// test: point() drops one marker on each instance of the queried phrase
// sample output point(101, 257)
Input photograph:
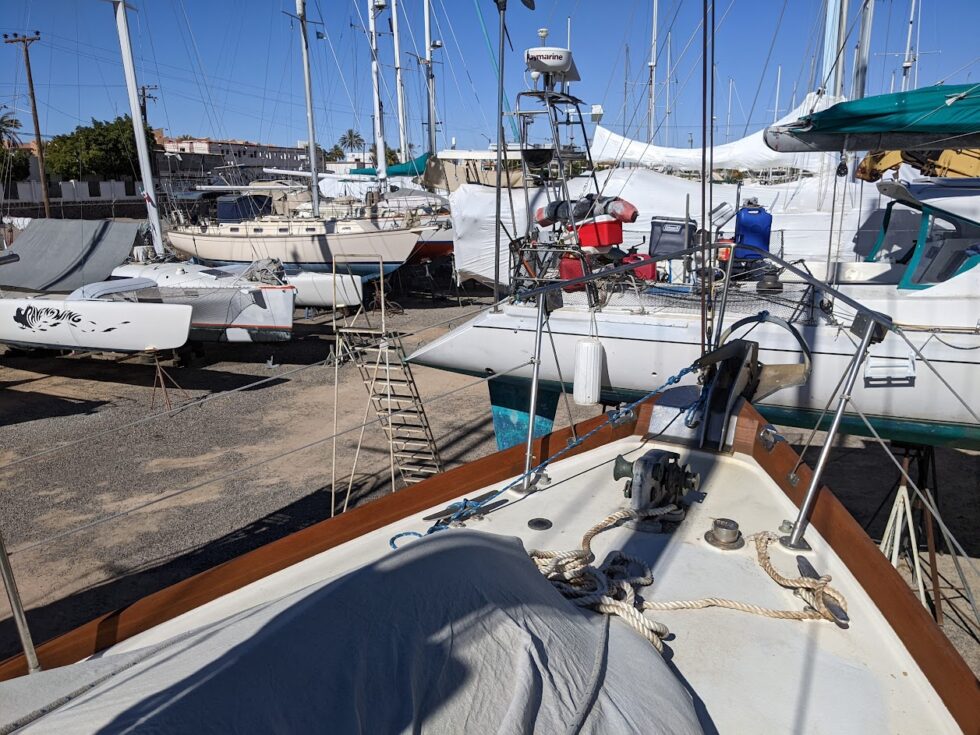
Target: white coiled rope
point(612, 587)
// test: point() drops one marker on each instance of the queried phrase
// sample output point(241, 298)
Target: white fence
point(70, 191)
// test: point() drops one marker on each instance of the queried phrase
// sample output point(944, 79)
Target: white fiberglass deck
point(745, 673)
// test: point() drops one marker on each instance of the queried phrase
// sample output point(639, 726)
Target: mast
point(310, 129)
point(380, 165)
point(779, 79)
point(139, 130)
point(626, 93)
point(652, 106)
point(669, 76)
point(839, 51)
point(430, 78)
point(909, 59)
point(399, 86)
point(728, 119)
point(829, 72)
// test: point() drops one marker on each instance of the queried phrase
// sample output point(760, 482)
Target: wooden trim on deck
point(941, 663)
point(166, 604)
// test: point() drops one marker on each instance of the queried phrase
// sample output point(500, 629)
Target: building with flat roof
point(244, 153)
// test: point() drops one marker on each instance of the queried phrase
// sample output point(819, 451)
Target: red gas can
point(600, 232)
point(570, 266)
point(645, 272)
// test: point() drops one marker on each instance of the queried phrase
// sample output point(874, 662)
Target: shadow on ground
point(55, 618)
point(128, 373)
point(17, 407)
point(869, 496)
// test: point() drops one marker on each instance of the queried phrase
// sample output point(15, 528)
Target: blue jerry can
point(753, 226)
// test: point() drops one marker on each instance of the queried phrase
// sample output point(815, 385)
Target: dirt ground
point(79, 443)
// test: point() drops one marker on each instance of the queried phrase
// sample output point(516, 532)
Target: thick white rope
point(612, 587)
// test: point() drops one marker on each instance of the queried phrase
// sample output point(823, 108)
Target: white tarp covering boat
point(748, 153)
point(801, 214)
point(383, 649)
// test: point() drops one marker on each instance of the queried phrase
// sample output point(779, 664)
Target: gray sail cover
point(65, 254)
point(454, 633)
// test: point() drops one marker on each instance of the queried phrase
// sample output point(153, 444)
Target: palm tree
point(9, 125)
point(351, 141)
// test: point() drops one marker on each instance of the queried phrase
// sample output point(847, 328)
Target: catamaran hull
point(358, 253)
point(98, 326)
point(225, 308)
point(904, 399)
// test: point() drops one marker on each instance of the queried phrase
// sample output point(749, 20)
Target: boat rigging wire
point(927, 500)
point(765, 67)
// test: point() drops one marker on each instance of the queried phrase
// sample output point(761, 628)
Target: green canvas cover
point(943, 110)
point(930, 118)
point(415, 167)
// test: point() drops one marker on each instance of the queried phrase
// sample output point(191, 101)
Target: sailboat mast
point(430, 78)
point(839, 50)
point(399, 86)
point(379, 128)
point(907, 63)
point(779, 79)
point(667, 111)
point(139, 125)
point(728, 118)
point(310, 128)
point(652, 106)
point(863, 50)
point(830, 70)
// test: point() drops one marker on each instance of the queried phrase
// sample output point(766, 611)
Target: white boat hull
point(226, 307)
point(642, 350)
point(361, 253)
point(109, 326)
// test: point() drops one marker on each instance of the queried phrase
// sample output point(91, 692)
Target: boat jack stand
point(160, 380)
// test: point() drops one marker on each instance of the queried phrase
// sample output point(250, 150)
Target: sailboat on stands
point(354, 246)
point(640, 317)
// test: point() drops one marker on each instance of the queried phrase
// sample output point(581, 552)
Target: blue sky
point(231, 68)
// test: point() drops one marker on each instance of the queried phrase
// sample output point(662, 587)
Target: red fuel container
point(600, 232)
point(645, 272)
point(570, 266)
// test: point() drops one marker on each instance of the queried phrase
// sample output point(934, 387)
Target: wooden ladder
point(391, 388)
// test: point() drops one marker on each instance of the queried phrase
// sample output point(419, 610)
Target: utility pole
point(652, 111)
point(399, 86)
point(25, 42)
point(145, 95)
